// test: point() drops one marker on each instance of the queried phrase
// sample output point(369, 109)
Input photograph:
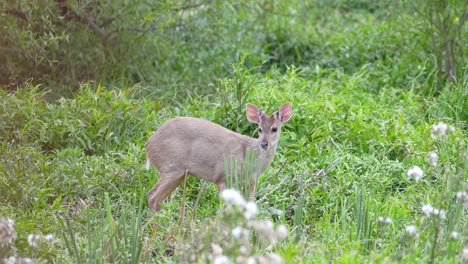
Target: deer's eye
point(260, 130)
point(274, 129)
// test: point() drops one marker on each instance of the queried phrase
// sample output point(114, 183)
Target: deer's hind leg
point(166, 184)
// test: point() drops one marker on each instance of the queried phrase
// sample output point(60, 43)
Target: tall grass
point(243, 175)
point(109, 240)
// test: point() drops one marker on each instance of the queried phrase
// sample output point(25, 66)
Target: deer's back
point(195, 144)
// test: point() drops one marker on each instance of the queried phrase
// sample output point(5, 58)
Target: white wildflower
point(25, 261)
point(451, 129)
point(32, 241)
point(439, 130)
point(277, 211)
point(245, 260)
point(454, 235)
point(265, 230)
point(251, 260)
point(462, 196)
point(411, 230)
point(385, 220)
point(428, 209)
point(240, 233)
point(416, 173)
point(282, 231)
point(221, 260)
point(465, 254)
point(217, 250)
point(7, 231)
point(10, 260)
point(233, 197)
point(14, 260)
point(432, 158)
point(251, 210)
point(236, 232)
point(270, 259)
point(275, 258)
point(35, 240)
point(442, 213)
point(243, 250)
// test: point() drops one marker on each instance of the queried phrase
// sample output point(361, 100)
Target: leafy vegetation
point(369, 105)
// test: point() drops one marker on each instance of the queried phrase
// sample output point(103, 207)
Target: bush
point(68, 42)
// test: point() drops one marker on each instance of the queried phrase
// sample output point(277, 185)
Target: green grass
point(364, 101)
point(76, 175)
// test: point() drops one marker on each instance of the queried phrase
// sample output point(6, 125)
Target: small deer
point(187, 145)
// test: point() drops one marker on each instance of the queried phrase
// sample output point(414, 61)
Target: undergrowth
point(341, 168)
point(372, 167)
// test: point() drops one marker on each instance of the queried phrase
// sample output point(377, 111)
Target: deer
point(193, 146)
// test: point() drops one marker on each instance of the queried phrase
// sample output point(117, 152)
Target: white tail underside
point(148, 164)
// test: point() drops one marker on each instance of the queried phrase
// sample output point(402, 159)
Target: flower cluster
point(267, 232)
point(7, 231)
point(15, 260)
point(270, 259)
point(8, 236)
point(240, 233)
point(241, 224)
point(35, 240)
point(233, 197)
point(385, 220)
point(428, 210)
point(454, 235)
point(433, 219)
point(462, 196)
point(217, 255)
point(441, 130)
point(432, 158)
point(464, 255)
point(416, 173)
point(411, 230)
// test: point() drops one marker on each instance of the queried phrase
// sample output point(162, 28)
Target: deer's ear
point(253, 114)
point(285, 112)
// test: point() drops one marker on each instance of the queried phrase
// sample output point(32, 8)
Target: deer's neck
point(265, 156)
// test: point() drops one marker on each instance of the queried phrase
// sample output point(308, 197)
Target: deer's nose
point(264, 144)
